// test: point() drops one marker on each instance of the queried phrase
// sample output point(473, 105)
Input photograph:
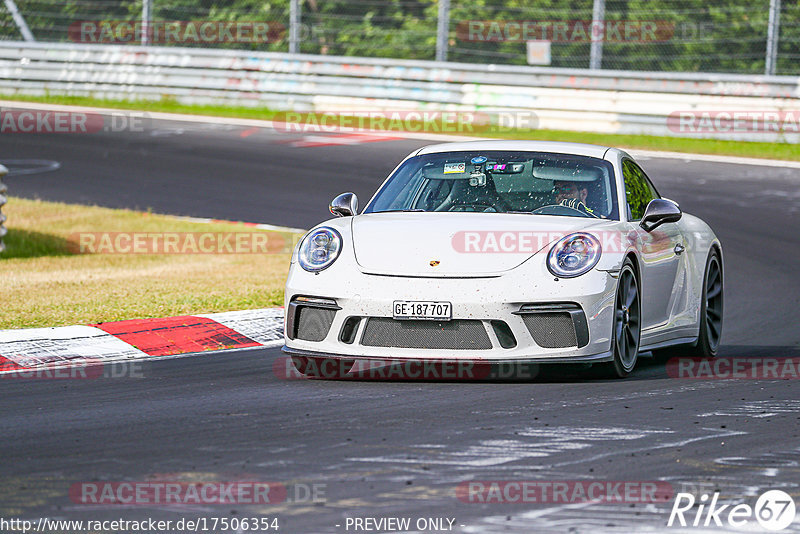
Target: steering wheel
point(559, 209)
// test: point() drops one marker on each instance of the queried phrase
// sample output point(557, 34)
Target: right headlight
point(574, 255)
point(319, 249)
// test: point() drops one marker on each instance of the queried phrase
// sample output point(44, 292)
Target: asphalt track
point(399, 448)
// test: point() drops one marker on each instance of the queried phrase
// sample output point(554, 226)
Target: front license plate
point(421, 309)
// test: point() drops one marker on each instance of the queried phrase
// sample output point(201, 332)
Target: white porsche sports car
point(506, 251)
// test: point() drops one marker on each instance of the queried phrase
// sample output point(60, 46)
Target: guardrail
point(584, 100)
point(3, 191)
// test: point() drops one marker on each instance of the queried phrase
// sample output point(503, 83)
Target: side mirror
point(658, 212)
point(345, 205)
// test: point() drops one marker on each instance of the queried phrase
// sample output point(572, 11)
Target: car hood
point(455, 244)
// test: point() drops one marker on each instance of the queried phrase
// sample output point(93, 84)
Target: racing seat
point(596, 200)
point(464, 195)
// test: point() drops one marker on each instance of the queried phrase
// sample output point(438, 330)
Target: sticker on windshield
point(455, 168)
point(503, 168)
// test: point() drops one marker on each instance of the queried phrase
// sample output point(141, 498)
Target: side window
point(638, 189)
point(650, 185)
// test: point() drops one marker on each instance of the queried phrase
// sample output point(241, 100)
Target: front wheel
point(330, 368)
point(627, 324)
point(711, 310)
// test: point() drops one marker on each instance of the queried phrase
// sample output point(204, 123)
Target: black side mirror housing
point(660, 211)
point(345, 205)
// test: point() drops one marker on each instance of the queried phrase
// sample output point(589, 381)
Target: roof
point(578, 149)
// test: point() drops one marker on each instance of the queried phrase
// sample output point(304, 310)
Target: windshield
point(501, 182)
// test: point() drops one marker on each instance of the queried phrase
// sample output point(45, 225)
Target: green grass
point(164, 105)
point(784, 151)
point(48, 282)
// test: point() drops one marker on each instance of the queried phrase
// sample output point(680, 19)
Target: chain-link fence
point(654, 35)
point(734, 36)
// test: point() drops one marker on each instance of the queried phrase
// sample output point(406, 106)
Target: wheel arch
point(636, 267)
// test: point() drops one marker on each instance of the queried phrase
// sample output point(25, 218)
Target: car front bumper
point(477, 303)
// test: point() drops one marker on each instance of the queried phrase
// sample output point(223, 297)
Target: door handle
point(679, 249)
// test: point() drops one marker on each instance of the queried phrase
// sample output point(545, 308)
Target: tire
point(327, 368)
point(711, 313)
point(626, 328)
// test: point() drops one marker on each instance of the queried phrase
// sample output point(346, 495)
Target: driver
point(573, 195)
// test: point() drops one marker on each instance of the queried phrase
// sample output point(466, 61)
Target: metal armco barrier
point(582, 100)
point(3, 191)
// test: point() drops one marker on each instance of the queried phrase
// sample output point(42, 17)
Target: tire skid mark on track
point(308, 141)
point(577, 517)
point(647, 517)
point(18, 167)
point(767, 460)
point(758, 409)
point(533, 442)
point(628, 397)
point(710, 433)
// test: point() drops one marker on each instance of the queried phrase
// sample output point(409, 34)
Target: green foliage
point(636, 190)
point(390, 28)
point(699, 36)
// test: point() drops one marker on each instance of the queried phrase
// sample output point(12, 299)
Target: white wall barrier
point(726, 106)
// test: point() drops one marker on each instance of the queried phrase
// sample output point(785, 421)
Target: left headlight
point(319, 249)
point(574, 255)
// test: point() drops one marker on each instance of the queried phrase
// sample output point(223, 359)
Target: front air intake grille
point(504, 334)
point(461, 334)
point(349, 329)
point(552, 330)
point(313, 324)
